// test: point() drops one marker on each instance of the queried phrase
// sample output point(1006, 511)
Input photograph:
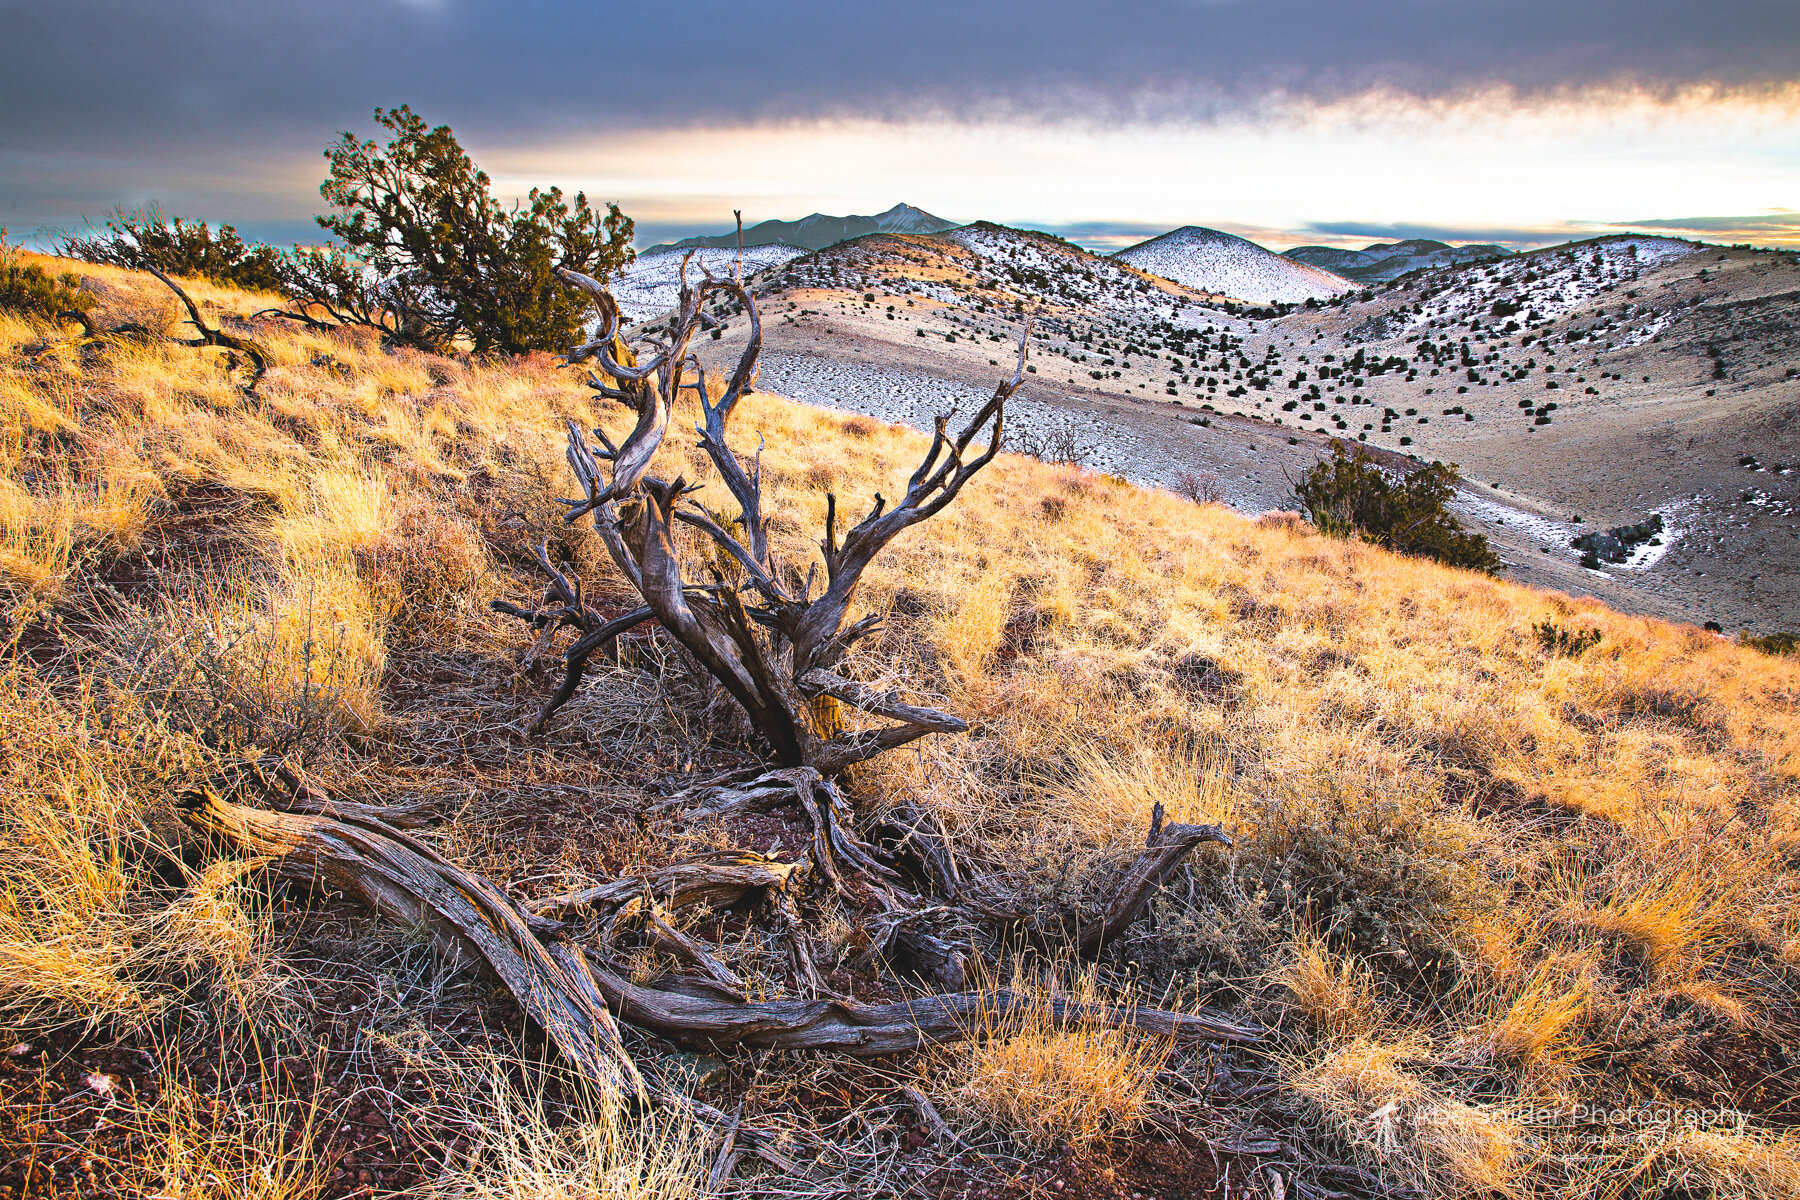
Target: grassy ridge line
point(1474, 876)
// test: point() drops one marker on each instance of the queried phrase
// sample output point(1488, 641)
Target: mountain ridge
point(1379, 262)
point(816, 231)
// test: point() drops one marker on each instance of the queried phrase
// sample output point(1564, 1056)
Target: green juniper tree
point(149, 237)
point(1350, 495)
point(421, 214)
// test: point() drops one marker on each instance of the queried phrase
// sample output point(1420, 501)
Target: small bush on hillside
point(1056, 446)
point(31, 291)
point(1351, 495)
point(1779, 642)
point(1202, 487)
point(1566, 643)
point(150, 237)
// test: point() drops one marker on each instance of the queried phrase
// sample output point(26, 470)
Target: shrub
point(1779, 642)
point(1053, 446)
point(31, 291)
point(1201, 487)
point(149, 237)
point(421, 212)
point(1351, 495)
point(1566, 643)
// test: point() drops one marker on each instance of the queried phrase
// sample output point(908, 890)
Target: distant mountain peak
point(816, 231)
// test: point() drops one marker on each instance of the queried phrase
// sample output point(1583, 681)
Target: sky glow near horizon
point(1287, 121)
point(1380, 167)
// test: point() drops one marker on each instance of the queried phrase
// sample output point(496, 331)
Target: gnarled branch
point(218, 337)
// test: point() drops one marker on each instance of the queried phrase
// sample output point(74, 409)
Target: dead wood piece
point(800, 948)
point(835, 846)
point(218, 337)
point(737, 792)
point(928, 1113)
point(685, 946)
point(920, 832)
point(836, 850)
point(1166, 848)
point(869, 1030)
point(720, 883)
point(727, 1158)
point(468, 918)
point(944, 963)
point(287, 788)
point(771, 645)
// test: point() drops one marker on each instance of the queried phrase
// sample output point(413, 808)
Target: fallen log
point(467, 917)
point(868, 1030)
point(720, 882)
point(573, 994)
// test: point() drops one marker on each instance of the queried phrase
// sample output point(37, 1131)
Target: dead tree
point(772, 643)
point(776, 642)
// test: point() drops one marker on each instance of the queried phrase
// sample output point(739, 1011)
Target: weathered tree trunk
point(778, 648)
point(570, 991)
point(468, 919)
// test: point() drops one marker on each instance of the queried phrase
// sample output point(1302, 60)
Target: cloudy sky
point(1291, 121)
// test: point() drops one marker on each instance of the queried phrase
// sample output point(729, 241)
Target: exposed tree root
point(1163, 851)
point(570, 990)
point(218, 337)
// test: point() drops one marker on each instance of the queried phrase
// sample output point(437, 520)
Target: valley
point(1578, 388)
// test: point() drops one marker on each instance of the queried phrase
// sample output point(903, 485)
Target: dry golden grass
point(1535, 1025)
point(596, 1153)
point(1552, 877)
point(259, 1150)
point(86, 934)
point(1724, 1163)
point(1335, 992)
point(1042, 1084)
point(1369, 1094)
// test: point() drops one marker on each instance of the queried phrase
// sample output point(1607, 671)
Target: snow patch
point(652, 285)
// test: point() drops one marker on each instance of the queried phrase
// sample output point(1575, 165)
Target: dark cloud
point(96, 72)
point(1782, 227)
point(143, 86)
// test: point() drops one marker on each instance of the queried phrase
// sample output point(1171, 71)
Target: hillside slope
point(652, 284)
point(1597, 384)
point(1228, 265)
point(1381, 262)
point(1481, 884)
point(1141, 377)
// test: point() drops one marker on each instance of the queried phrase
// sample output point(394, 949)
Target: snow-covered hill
point(1212, 261)
point(652, 284)
point(1543, 285)
point(1061, 272)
